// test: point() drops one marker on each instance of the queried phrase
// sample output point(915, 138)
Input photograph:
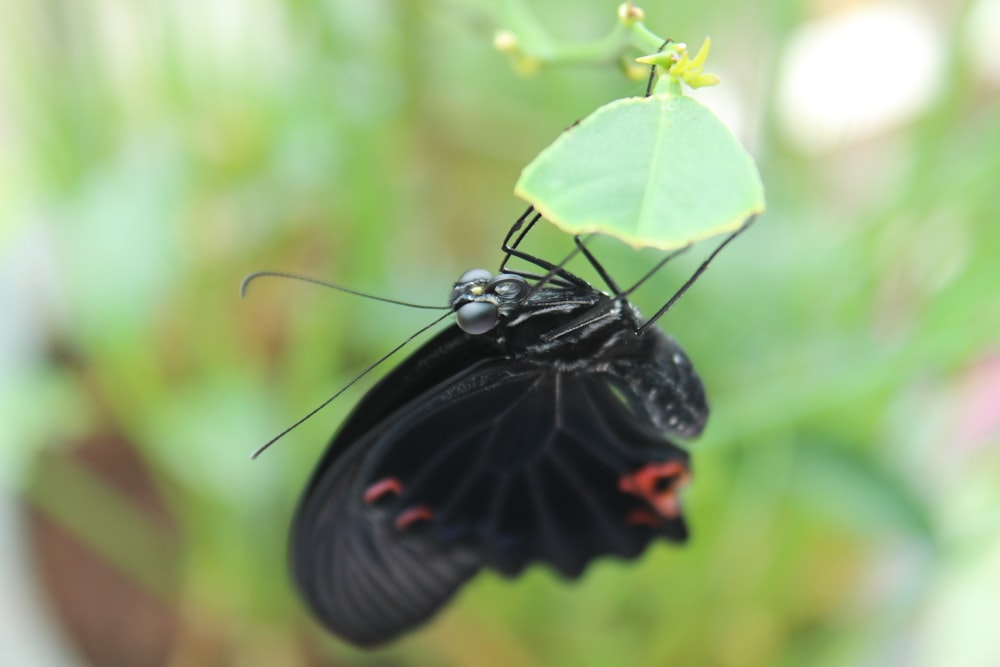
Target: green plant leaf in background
point(659, 171)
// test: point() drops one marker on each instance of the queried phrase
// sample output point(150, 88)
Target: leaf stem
point(644, 39)
point(531, 46)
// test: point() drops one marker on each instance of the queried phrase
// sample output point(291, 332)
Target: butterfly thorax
point(570, 328)
point(561, 326)
point(577, 330)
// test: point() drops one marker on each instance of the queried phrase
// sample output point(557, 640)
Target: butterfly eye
point(470, 284)
point(508, 287)
point(477, 317)
point(474, 274)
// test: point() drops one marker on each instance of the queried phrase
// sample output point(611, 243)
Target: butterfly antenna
point(340, 391)
point(700, 270)
point(315, 281)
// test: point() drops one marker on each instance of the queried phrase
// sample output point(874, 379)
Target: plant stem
point(537, 42)
point(644, 39)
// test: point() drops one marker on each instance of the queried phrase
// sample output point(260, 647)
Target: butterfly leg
point(700, 270)
point(511, 250)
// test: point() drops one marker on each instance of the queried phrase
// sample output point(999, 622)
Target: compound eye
point(470, 283)
point(473, 275)
point(477, 317)
point(508, 287)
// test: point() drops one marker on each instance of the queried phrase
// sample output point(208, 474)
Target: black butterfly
point(534, 429)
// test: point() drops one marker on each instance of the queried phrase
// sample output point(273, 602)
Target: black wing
point(444, 356)
point(363, 579)
point(504, 464)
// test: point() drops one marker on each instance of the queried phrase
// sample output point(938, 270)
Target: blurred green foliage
point(845, 503)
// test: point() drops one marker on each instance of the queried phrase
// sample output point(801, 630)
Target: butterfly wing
point(362, 579)
point(500, 465)
point(444, 356)
point(520, 463)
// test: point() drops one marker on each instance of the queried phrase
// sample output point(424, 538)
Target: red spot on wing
point(657, 483)
point(413, 514)
point(388, 485)
point(641, 516)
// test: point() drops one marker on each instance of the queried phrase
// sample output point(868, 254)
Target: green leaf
point(659, 171)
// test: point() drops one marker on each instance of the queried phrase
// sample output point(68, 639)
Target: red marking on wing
point(641, 516)
point(382, 487)
point(413, 514)
point(657, 483)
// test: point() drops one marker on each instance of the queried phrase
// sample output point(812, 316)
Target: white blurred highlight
point(858, 73)
point(982, 30)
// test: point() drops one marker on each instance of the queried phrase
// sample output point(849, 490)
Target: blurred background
point(846, 502)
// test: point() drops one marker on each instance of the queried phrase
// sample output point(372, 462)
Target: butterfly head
point(480, 299)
